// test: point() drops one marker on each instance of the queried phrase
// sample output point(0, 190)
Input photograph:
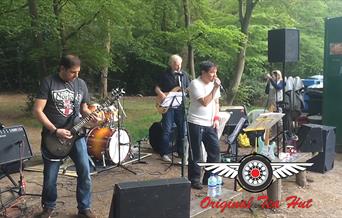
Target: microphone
point(177, 73)
point(221, 86)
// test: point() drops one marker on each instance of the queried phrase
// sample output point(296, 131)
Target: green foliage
point(144, 33)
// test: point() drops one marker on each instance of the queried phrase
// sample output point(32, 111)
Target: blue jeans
point(207, 135)
point(79, 155)
point(172, 116)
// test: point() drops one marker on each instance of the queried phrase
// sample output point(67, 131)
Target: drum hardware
point(139, 151)
point(119, 135)
point(103, 159)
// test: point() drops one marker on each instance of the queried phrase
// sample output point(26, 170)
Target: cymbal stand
point(119, 142)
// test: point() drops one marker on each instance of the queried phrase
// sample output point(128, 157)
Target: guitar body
point(59, 148)
point(159, 100)
point(266, 150)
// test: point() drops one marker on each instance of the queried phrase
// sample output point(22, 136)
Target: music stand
point(119, 164)
point(264, 122)
point(177, 99)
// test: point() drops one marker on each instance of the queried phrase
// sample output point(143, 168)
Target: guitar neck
point(83, 122)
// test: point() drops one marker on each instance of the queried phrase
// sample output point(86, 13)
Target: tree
point(246, 8)
point(37, 36)
point(191, 61)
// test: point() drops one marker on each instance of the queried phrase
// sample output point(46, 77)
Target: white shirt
point(198, 113)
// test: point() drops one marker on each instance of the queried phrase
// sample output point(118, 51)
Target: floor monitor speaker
point(165, 198)
point(321, 139)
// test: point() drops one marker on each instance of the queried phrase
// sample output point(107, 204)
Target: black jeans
point(207, 135)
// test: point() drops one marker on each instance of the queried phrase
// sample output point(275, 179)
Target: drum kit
point(107, 142)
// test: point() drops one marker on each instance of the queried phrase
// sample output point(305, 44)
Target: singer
point(172, 78)
point(203, 121)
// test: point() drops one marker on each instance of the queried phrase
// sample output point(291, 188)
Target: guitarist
point(60, 97)
point(170, 79)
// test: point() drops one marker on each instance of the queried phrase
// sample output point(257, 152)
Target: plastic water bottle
point(212, 183)
point(218, 186)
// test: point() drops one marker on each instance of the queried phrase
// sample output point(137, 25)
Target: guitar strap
point(76, 103)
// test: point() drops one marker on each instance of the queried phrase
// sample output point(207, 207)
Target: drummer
point(106, 116)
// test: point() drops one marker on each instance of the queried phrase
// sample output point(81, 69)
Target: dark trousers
point(171, 117)
point(207, 135)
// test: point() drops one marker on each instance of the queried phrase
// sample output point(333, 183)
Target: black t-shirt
point(61, 96)
point(168, 80)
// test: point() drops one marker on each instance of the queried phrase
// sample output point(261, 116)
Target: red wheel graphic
point(255, 173)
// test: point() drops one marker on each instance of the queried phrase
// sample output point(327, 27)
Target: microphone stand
point(139, 152)
point(185, 123)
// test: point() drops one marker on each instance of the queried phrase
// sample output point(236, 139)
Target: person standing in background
point(274, 89)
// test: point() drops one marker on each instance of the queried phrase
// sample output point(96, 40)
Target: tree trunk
point(190, 61)
point(57, 9)
point(37, 37)
point(245, 18)
point(104, 71)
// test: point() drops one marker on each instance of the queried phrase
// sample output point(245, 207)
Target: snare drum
point(104, 142)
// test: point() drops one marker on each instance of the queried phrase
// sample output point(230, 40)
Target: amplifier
point(14, 145)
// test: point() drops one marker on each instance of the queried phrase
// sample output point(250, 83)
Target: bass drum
point(105, 141)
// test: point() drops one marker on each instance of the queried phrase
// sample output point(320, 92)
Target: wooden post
point(274, 191)
point(301, 179)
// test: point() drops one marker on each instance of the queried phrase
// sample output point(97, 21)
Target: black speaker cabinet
point(283, 45)
point(152, 199)
point(14, 145)
point(318, 138)
point(310, 138)
point(236, 112)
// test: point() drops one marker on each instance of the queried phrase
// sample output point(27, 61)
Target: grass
point(141, 114)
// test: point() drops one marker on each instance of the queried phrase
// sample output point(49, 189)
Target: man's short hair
point(69, 61)
point(206, 66)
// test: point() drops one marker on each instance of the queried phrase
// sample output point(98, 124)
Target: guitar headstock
point(115, 94)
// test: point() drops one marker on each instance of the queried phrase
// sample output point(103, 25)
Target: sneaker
point(197, 186)
point(185, 163)
point(175, 154)
point(166, 158)
point(86, 213)
point(47, 212)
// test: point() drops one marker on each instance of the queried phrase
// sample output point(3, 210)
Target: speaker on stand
point(283, 47)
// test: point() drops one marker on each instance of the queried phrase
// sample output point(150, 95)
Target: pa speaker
point(283, 45)
point(318, 138)
point(310, 138)
point(152, 199)
point(236, 113)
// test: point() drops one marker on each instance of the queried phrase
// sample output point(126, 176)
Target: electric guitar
point(266, 150)
point(61, 147)
point(159, 100)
